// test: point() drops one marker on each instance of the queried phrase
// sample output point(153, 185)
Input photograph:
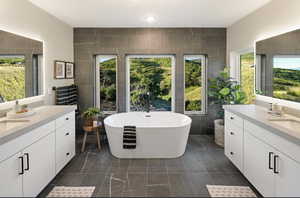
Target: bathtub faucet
point(148, 103)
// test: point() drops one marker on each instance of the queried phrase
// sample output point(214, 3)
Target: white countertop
point(43, 115)
point(260, 116)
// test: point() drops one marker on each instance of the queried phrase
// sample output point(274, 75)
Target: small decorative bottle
point(17, 106)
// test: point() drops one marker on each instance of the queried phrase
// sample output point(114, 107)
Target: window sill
point(195, 114)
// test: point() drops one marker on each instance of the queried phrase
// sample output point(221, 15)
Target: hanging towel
point(67, 95)
point(129, 137)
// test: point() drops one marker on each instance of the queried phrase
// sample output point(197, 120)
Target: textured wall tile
point(125, 41)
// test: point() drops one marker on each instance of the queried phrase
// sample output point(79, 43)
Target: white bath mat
point(67, 191)
point(230, 191)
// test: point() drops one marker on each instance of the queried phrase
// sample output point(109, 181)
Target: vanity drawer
point(234, 145)
point(65, 146)
point(65, 135)
point(67, 119)
point(231, 118)
point(64, 154)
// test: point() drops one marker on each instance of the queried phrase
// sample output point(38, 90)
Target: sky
point(287, 63)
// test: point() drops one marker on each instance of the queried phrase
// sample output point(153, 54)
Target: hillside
point(12, 77)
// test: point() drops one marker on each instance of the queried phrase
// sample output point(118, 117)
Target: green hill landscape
point(286, 84)
point(153, 75)
point(12, 78)
point(247, 77)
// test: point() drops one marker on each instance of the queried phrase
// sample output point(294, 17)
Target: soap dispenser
point(17, 107)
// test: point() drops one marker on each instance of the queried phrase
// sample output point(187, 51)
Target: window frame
point(97, 81)
point(204, 59)
point(173, 62)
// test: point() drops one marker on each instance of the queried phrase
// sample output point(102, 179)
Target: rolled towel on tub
point(129, 137)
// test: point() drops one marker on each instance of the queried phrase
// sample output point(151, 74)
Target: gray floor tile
point(138, 165)
point(158, 179)
point(187, 176)
point(157, 165)
point(70, 179)
point(158, 191)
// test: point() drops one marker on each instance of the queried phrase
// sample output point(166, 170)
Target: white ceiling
point(134, 13)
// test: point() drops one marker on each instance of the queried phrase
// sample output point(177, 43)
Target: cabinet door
point(10, 177)
point(287, 178)
point(256, 165)
point(41, 168)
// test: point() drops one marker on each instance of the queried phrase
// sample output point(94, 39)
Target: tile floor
point(203, 163)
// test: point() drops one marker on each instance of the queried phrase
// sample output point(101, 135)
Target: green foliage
point(91, 113)
point(286, 84)
point(12, 78)
point(4, 61)
point(194, 105)
point(108, 85)
point(223, 90)
point(247, 77)
point(193, 72)
point(151, 75)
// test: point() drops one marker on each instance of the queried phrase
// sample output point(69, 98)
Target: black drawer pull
point(67, 154)
point(231, 133)
point(27, 161)
point(231, 118)
point(231, 153)
point(22, 165)
point(67, 134)
point(275, 164)
point(67, 118)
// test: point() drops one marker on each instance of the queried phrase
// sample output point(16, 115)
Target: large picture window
point(106, 87)
point(194, 92)
point(150, 80)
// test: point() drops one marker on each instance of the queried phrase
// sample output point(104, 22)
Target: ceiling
point(149, 13)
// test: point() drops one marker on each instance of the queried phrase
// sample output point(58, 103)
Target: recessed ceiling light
point(150, 19)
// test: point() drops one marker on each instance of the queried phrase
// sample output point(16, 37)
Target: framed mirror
point(278, 66)
point(21, 67)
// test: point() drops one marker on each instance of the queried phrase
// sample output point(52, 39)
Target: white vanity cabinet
point(29, 162)
point(270, 162)
point(234, 139)
point(65, 140)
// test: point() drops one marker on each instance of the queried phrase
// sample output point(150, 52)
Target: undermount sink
point(286, 123)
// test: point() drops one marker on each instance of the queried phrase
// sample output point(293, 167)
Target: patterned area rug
point(230, 191)
point(66, 191)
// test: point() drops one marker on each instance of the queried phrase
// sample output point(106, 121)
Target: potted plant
point(223, 90)
point(90, 115)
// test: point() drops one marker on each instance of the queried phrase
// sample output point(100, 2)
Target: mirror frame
point(269, 99)
point(33, 99)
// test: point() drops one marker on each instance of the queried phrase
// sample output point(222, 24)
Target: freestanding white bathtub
point(159, 134)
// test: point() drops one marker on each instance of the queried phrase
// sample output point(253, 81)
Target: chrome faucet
point(275, 109)
point(270, 107)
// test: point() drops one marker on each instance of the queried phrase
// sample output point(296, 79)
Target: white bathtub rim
point(188, 123)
